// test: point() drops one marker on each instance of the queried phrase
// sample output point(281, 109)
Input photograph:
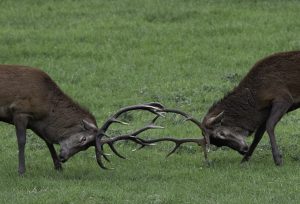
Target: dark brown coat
point(30, 99)
point(267, 92)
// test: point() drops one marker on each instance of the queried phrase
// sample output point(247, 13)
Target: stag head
point(222, 135)
point(84, 137)
point(88, 134)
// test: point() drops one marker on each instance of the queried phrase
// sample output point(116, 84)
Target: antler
point(204, 142)
point(155, 108)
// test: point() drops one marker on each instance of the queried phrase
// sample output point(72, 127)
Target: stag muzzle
point(66, 151)
point(63, 156)
point(236, 143)
point(243, 148)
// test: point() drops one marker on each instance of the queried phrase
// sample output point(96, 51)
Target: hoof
point(278, 160)
point(245, 159)
point(21, 172)
point(58, 167)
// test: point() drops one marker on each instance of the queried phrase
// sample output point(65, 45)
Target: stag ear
point(88, 126)
point(215, 119)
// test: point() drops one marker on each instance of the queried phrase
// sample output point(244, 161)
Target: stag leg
point(279, 108)
point(257, 137)
point(20, 122)
point(56, 161)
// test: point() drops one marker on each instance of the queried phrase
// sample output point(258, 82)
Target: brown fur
point(29, 98)
point(268, 79)
point(265, 94)
point(31, 91)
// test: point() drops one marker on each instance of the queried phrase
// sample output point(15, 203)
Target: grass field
point(185, 54)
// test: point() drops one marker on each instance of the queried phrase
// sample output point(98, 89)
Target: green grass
point(185, 54)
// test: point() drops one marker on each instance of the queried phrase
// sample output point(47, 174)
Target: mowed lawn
point(185, 54)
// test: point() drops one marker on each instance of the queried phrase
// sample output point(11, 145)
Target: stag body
point(30, 99)
point(268, 91)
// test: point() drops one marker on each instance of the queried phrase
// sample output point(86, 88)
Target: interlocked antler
point(204, 142)
point(155, 108)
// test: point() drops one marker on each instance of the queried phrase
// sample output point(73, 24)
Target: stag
point(261, 99)
point(264, 95)
point(30, 99)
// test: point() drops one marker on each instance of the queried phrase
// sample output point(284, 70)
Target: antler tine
point(115, 151)
point(110, 142)
point(178, 142)
point(204, 142)
point(114, 120)
point(99, 153)
point(189, 118)
point(105, 157)
point(151, 125)
point(155, 108)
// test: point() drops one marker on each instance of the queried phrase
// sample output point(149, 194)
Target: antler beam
point(204, 142)
point(155, 108)
point(158, 110)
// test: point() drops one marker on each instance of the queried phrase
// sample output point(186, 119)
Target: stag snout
point(239, 144)
point(63, 156)
point(244, 149)
point(230, 137)
point(64, 153)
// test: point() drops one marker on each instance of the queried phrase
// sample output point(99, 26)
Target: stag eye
point(221, 135)
point(82, 139)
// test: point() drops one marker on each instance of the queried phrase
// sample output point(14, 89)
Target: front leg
point(20, 122)
point(257, 137)
point(56, 161)
point(279, 108)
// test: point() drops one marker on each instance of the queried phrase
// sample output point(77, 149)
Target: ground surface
point(184, 54)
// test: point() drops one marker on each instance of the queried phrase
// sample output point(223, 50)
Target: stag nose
point(62, 157)
point(244, 150)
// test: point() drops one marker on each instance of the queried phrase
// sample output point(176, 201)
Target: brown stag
point(30, 99)
point(265, 94)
